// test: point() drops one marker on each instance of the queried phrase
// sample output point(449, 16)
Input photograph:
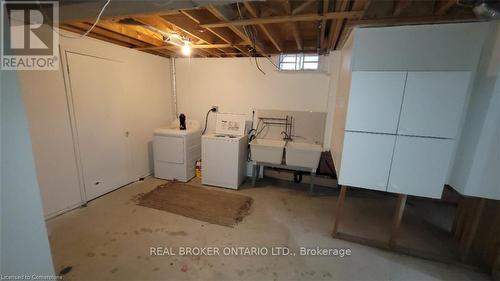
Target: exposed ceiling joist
point(400, 6)
point(294, 26)
point(323, 25)
point(172, 47)
point(303, 6)
point(442, 6)
point(235, 29)
point(285, 19)
point(337, 25)
point(221, 34)
point(257, 28)
point(272, 37)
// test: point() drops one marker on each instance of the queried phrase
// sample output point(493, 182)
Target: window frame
point(299, 62)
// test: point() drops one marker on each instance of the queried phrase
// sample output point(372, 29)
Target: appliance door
point(168, 149)
point(220, 162)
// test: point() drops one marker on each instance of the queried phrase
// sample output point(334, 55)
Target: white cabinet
point(366, 160)
point(400, 130)
point(419, 166)
point(433, 103)
point(375, 101)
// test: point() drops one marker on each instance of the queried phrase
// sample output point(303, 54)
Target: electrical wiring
point(86, 32)
point(206, 122)
point(253, 40)
point(213, 109)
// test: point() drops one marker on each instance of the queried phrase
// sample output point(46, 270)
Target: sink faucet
point(286, 137)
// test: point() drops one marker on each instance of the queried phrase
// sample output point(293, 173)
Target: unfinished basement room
point(250, 140)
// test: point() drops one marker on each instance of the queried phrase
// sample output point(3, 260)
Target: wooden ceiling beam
point(236, 30)
point(181, 27)
point(347, 29)
point(412, 20)
point(143, 34)
point(224, 36)
point(285, 19)
point(441, 7)
point(81, 28)
point(337, 25)
point(173, 47)
point(400, 6)
point(163, 25)
point(113, 36)
point(272, 37)
point(323, 25)
point(303, 6)
point(294, 26)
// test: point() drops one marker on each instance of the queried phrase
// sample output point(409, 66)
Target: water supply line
point(174, 89)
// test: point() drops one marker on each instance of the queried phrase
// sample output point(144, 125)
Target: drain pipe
point(174, 89)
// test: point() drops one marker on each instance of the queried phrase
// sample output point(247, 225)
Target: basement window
point(297, 62)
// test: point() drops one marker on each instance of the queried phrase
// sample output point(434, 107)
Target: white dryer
point(176, 151)
point(224, 153)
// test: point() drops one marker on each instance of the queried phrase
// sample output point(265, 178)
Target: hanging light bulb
point(186, 49)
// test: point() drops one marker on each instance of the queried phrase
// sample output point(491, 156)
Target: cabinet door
point(420, 165)
point(366, 160)
point(433, 103)
point(375, 101)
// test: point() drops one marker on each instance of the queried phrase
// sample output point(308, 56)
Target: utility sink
point(267, 151)
point(305, 155)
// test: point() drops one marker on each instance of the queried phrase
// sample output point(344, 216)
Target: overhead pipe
point(174, 88)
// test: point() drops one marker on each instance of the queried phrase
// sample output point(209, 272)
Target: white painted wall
point(237, 86)
point(148, 92)
point(24, 247)
point(477, 164)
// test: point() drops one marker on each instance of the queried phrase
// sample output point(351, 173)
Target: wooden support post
point(398, 216)
point(457, 219)
point(470, 233)
point(338, 209)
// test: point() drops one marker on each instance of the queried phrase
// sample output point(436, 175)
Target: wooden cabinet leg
point(338, 209)
point(398, 217)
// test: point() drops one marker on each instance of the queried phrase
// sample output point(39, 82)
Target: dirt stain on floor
point(146, 230)
point(114, 270)
point(178, 233)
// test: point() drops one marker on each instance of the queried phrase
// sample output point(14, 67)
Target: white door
point(433, 103)
point(98, 95)
point(375, 101)
point(420, 166)
point(366, 160)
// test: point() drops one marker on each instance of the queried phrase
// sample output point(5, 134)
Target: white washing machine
point(176, 151)
point(224, 153)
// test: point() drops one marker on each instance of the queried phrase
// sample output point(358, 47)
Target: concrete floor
point(111, 239)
